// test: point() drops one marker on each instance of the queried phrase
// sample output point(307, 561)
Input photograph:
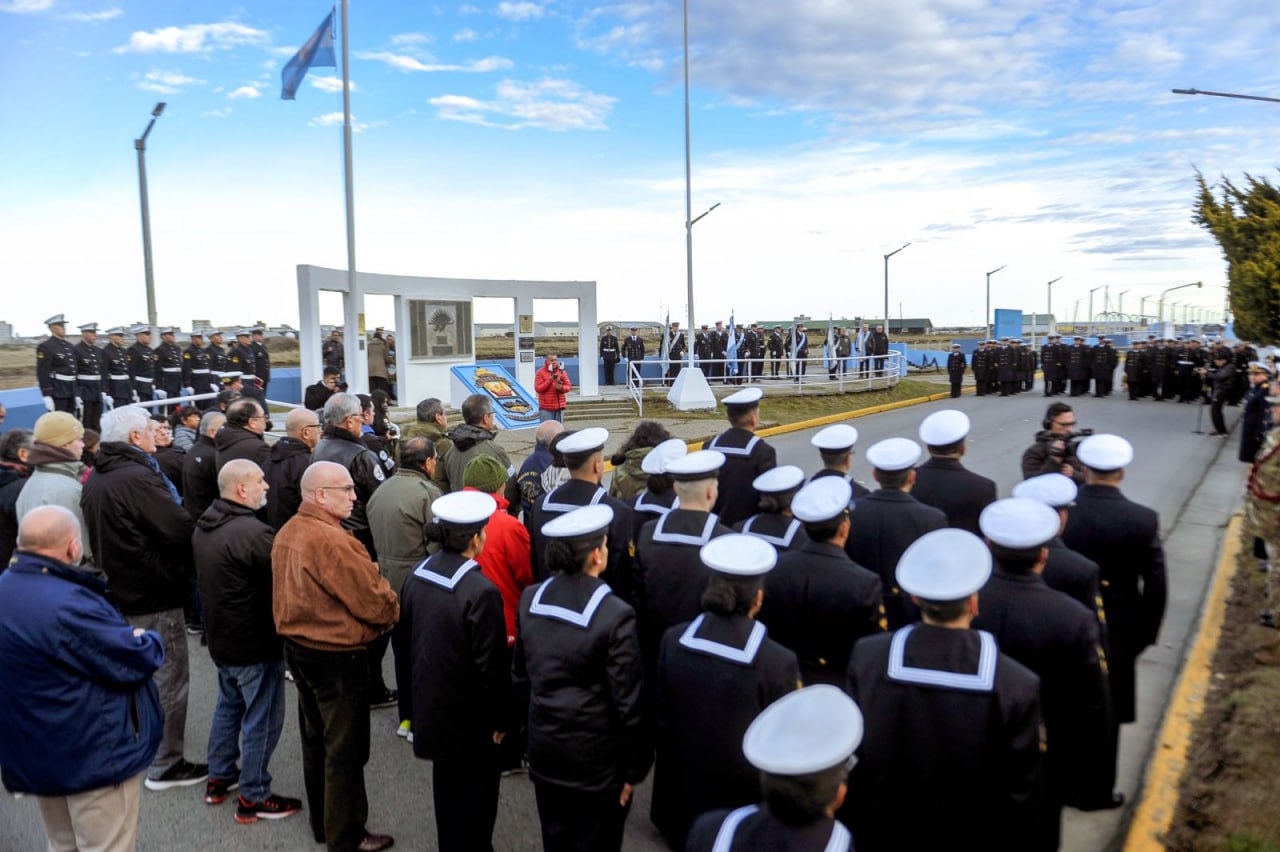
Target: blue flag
point(318, 51)
point(731, 350)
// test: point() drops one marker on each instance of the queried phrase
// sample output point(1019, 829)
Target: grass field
point(775, 410)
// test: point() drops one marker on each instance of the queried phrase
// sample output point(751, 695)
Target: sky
point(544, 140)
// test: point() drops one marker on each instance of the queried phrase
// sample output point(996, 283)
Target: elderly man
point(476, 435)
point(199, 467)
point(340, 443)
point(142, 541)
point(330, 603)
point(529, 479)
point(55, 454)
point(241, 436)
point(431, 423)
point(285, 465)
point(81, 715)
point(233, 561)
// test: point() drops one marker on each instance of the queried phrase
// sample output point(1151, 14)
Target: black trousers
point(91, 416)
point(378, 650)
point(1215, 414)
point(955, 388)
point(577, 821)
point(466, 798)
point(609, 367)
point(1079, 387)
point(68, 404)
point(333, 720)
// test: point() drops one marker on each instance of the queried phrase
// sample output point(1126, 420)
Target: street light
point(886, 286)
point(140, 145)
point(688, 188)
point(988, 314)
point(1170, 290)
point(1120, 303)
point(1226, 95)
point(1091, 292)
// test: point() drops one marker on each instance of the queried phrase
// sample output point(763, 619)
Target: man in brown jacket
point(330, 602)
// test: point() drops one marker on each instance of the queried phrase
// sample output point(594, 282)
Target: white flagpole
point(354, 346)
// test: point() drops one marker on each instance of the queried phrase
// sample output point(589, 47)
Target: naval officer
point(775, 522)
point(659, 495)
point(835, 446)
point(747, 455)
point(943, 482)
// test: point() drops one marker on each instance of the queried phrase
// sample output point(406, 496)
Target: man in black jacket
point(318, 394)
point(241, 436)
point(142, 541)
point(955, 369)
point(1053, 450)
point(286, 464)
point(609, 352)
point(233, 563)
point(943, 482)
point(199, 466)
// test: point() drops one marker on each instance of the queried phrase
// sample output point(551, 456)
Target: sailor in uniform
point(659, 496)
point(56, 367)
point(1058, 639)
point(715, 674)
point(817, 602)
point(583, 453)
point(577, 670)
point(956, 723)
point(242, 358)
point(774, 522)
point(803, 747)
point(835, 445)
point(890, 520)
point(453, 633)
point(195, 371)
point(955, 369)
point(168, 358)
point(218, 358)
point(142, 365)
point(89, 377)
point(115, 369)
point(943, 482)
point(747, 455)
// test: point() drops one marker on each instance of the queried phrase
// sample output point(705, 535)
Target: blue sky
point(543, 139)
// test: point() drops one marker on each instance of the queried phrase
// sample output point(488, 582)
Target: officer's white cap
point(168, 329)
point(579, 523)
point(89, 326)
point(231, 376)
point(242, 332)
point(779, 479)
point(944, 565)
point(835, 438)
point(739, 555)
point(119, 329)
point(944, 427)
point(700, 464)
point(56, 319)
point(1018, 523)
point(657, 459)
point(1052, 489)
point(746, 396)
point(1254, 366)
point(893, 454)
point(463, 508)
point(583, 441)
point(1105, 452)
point(805, 731)
point(822, 499)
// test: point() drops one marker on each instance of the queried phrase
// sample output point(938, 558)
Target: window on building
point(439, 329)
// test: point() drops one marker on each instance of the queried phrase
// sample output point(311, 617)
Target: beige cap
point(57, 429)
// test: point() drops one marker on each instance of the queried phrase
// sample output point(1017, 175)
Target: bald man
point(330, 603)
point(288, 460)
point(529, 479)
point(82, 718)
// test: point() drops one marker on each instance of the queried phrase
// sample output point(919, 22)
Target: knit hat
point(485, 473)
point(57, 429)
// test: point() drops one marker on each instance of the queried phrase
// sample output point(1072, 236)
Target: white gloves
point(107, 402)
point(161, 394)
point(136, 398)
point(48, 403)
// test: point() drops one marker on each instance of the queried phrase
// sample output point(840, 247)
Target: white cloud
point(547, 104)
point(408, 63)
point(329, 84)
point(24, 7)
point(465, 35)
point(166, 82)
point(249, 92)
point(519, 11)
point(94, 17)
point(194, 38)
point(468, 9)
point(405, 39)
point(334, 119)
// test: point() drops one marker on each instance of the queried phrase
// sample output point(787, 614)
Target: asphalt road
point(1193, 481)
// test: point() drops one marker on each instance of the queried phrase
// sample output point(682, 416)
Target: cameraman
point(551, 384)
point(1054, 450)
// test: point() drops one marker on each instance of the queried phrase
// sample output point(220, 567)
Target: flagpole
point(354, 346)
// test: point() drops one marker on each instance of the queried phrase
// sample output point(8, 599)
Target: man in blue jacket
point(82, 715)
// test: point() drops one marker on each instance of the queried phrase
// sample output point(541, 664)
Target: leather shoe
point(376, 842)
point(1104, 803)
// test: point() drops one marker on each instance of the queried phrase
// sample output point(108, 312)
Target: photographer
point(1054, 450)
point(551, 384)
point(1222, 379)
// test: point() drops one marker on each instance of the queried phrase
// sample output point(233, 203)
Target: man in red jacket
point(551, 384)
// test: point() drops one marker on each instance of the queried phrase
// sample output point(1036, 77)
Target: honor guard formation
point(801, 664)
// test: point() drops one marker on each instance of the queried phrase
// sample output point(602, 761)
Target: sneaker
point(403, 730)
point(383, 698)
point(181, 774)
point(216, 791)
point(272, 807)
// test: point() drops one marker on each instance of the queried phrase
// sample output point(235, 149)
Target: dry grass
point(775, 410)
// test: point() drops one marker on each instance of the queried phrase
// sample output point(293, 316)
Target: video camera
point(1069, 441)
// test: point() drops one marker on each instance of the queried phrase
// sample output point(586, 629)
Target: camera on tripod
point(1069, 441)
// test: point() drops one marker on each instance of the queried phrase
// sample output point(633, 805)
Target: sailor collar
point(663, 537)
point(716, 444)
point(550, 504)
point(642, 505)
point(563, 613)
point(779, 541)
point(745, 655)
point(424, 572)
point(982, 681)
point(839, 841)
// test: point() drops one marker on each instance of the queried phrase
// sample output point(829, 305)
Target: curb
point(1158, 803)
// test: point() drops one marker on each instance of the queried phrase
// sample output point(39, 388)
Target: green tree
point(1246, 224)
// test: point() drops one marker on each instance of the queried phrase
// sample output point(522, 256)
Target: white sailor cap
point(89, 326)
point(744, 397)
point(118, 329)
point(739, 555)
point(1105, 452)
point(243, 332)
point(463, 508)
point(1052, 489)
point(822, 499)
point(169, 329)
point(806, 731)
point(944, 565)
point(656, 460)
point(140, 329)
point(579, 523)
point(583, 441)
point(1254, 367)
point(893, 454)
point(230, 376)
point(776, 480)
point(56, 319)
point(836, 438)
point(944, 427)
point(699, 464)
point(1018, 523)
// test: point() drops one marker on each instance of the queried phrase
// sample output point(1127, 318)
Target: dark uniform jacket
point(715, 675)
point(957, 726)
point(676, 345)
point(56, 368)
point(818, 603)
point(88, 372)
point(115, 372)
point(577, 672)
point(1074, 575)
point(956, 366)
point(284, 467)
point(1006, 363)
point(1124, 539)
point(753, 827)
point(233, 563)
point(782, 531)
point(200, 476)
point(633, 348)
point(454, 635)
point(1078, 362)
point(648, 506)
point(609, 348)
point(1253, 422)
point(885, 523)
point(142, 362)
point(960, 493)
point(747, 455)
point(859, 490)
point(576, 493)
point(217, 363)
point(195, 370)
point(261, 363)
point(168, 361)
point(340, 446)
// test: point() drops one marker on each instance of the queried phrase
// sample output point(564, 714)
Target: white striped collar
point(732, 451)
point(561, 613)
point(745, 655)
point(684, 538)
point(549, 505)
point(982, 681)
point(654, 508)
point(424, 572)
point(840, 840)
point(782, 541)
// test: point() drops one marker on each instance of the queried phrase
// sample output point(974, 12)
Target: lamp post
point(1048, 317)
point(1120, 303)
point(1091, 292)
point(140, 145)
point(688, 186)
point(886, 286)
point(988, 314)
point(1170, 290)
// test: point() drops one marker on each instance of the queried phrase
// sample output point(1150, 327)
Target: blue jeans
point(246, 725)
point(544, 415)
